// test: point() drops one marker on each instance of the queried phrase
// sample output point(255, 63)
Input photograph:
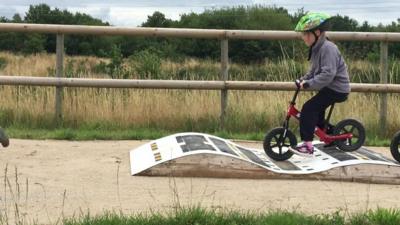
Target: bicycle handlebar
point(298, 85)
point(297, 82)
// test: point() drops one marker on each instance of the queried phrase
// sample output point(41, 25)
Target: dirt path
point(67, 178)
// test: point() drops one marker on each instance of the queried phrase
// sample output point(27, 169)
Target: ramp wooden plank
point(202, 155)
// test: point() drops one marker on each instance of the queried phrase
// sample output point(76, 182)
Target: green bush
point(115, 68)
point(147, 64)
point(34, 43)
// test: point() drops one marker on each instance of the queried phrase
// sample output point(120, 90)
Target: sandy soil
point(58, 179)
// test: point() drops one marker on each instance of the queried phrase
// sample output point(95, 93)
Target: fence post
point(224, 77)
point(383, 80)
point(59, 73)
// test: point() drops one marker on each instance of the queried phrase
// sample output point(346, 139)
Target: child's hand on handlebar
point(300, 83)
point(304, 84)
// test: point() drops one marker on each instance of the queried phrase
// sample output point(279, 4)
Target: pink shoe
point(303, 150)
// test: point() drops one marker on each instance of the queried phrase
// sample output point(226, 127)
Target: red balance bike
point(395, 146)
point(347, 135)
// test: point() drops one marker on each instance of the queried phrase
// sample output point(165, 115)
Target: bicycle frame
point(321, 133)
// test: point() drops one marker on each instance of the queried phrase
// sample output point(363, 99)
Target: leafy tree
point(157, 20)
point(243, 18)
point(75, 44)
point(395, 46)
point(257, 17)
point(39, 14)
point(343, 23)
point(17, 18)
point(34, 43)
point(11, 41)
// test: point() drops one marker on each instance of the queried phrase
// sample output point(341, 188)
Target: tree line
point(256, 17)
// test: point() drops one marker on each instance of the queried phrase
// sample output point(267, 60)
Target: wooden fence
point(223, 35)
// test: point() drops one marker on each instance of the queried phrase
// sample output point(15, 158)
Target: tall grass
point(176, 110)
point(197, 215)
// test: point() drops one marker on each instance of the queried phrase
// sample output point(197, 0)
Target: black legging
point(313, 111)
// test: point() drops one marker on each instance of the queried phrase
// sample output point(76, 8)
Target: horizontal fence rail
point(222, 35)
point(179, 84)
point(190, 33)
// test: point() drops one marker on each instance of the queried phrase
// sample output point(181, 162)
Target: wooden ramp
point(202, 155)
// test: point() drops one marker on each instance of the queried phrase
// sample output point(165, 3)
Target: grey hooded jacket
point(328, 68)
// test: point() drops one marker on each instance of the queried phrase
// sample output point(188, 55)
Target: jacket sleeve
point(327, 71)
point(307, 76)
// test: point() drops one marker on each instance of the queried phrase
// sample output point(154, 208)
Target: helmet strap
point(313, 44)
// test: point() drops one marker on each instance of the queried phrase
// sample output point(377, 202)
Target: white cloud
point(99, 12)
point(135, 17)
point(10, 11)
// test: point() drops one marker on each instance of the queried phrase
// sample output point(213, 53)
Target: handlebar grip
point(297, 82)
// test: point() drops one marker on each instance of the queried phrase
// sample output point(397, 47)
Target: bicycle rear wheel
point(356, 129)
point(395, 146)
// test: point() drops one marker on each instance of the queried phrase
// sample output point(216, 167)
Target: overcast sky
point(134, 13)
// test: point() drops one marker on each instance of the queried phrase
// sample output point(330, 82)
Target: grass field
point(210, 217)
point(97, 111)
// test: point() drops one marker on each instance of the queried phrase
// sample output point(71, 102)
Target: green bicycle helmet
point(312, 21)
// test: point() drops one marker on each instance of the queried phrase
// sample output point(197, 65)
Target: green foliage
point(114, 68)
point(256, 17)
point(101, 68)
point(147, 64)
point(39, 14)
point(3, 63)
point(197, 215)
point(157, 20)
point(251, 18)
point(75, 68)
point(86, 132)
point(379, 216)
point(238, 120)
point(343, 23)
point(43, 14)
point(34, 43)
point(106, 131)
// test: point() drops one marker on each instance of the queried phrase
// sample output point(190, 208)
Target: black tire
point(274, 149)
point(395, 146)
point(350, 126)
point(5, 142)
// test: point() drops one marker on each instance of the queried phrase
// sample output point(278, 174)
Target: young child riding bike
point(328, 74)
